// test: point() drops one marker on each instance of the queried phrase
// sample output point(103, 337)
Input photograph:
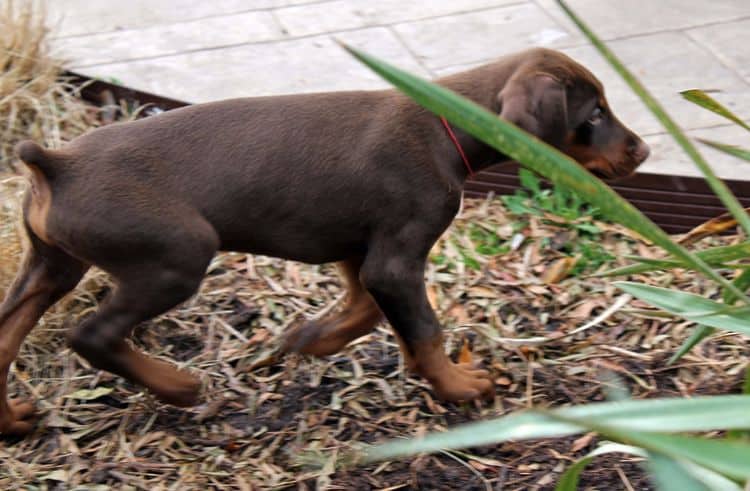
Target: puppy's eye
point(596, 116)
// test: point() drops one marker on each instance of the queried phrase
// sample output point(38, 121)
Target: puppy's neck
point(478, 155)
point(480, 85)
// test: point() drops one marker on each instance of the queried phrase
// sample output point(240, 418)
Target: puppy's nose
point(639, 150)
point(643, 151)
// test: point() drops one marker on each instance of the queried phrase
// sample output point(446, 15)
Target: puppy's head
point(562, 103)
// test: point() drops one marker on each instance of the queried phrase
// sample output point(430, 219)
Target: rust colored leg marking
point(40, 282)
point(331, 334)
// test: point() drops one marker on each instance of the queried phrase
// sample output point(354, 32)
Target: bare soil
point(284, 424)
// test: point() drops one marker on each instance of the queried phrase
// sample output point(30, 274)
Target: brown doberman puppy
point(367, 179)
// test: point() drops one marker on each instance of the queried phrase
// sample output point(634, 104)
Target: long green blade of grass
point(716, 184)
point(690, 306)
point(742, 281)
point(666, 415)
point(728, 457)
point(666, 473)
point(536, 155)
point(699, 97)
point(743, 434)
point(669, 475)
point(669, 264)
point(733, 150)
point(712, 257)
point(569, 480)
point(699, 334)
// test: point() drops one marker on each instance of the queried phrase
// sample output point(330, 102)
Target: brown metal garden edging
point(676, 203)
point(100, 92)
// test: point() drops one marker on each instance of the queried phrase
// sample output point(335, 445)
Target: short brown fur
point(40, 201)
point(366, 179)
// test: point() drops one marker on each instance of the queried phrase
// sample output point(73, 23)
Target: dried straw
point(35, 100)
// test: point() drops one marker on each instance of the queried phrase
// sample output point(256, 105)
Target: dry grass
point(35, 102)
point(281, 426)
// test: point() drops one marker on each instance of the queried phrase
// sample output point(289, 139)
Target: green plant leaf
point(714, 481)
point(728, 457)
point(734, 150)
point(699, 97)
point(529, 180)
point(699, 334)
point(690, 306)
point(569, 480)
point(713, 257)
point(742, 282)
point(657, 263)
point(669, 475)
point(536, 155)
point(716, 184)
point(745, 390)
point(721, 254)
point(669, 415)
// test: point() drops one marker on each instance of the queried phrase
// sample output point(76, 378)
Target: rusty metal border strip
point(100, 92)
point(676, 203)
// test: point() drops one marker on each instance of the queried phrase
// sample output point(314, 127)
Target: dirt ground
point(283, 425)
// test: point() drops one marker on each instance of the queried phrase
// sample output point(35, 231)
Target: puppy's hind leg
point(156, 277)
point(46, 274)
point(326, 336)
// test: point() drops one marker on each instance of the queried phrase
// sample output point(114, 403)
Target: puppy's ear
point(538, 105)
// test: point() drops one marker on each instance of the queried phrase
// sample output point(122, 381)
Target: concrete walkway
point(200, 51)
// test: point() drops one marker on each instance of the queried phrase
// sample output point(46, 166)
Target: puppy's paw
point(20, 420)
point(460, 382)
point(182, 390)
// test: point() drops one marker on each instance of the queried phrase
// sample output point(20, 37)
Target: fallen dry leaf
point(465, 355)
point(559, 270)
point(714, 226)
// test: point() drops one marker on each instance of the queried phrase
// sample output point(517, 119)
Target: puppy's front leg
point(396, 282)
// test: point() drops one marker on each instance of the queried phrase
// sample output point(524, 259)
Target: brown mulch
point(281, 426)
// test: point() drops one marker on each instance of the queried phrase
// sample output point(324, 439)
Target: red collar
point(458, 145)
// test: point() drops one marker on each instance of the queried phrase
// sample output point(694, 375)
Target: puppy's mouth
point(613, 165)
point(610, 172)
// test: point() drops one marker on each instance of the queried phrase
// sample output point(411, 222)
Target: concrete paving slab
point(301, 65)
point(666, 72)
point(79, 17)
point(615, 19)
point(729, 42)
point(669, 158)
point(338, 15)
point(168, 39)
point(678, 64)
point(476, 36)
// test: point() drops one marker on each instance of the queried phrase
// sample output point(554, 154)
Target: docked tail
point(33, 154)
